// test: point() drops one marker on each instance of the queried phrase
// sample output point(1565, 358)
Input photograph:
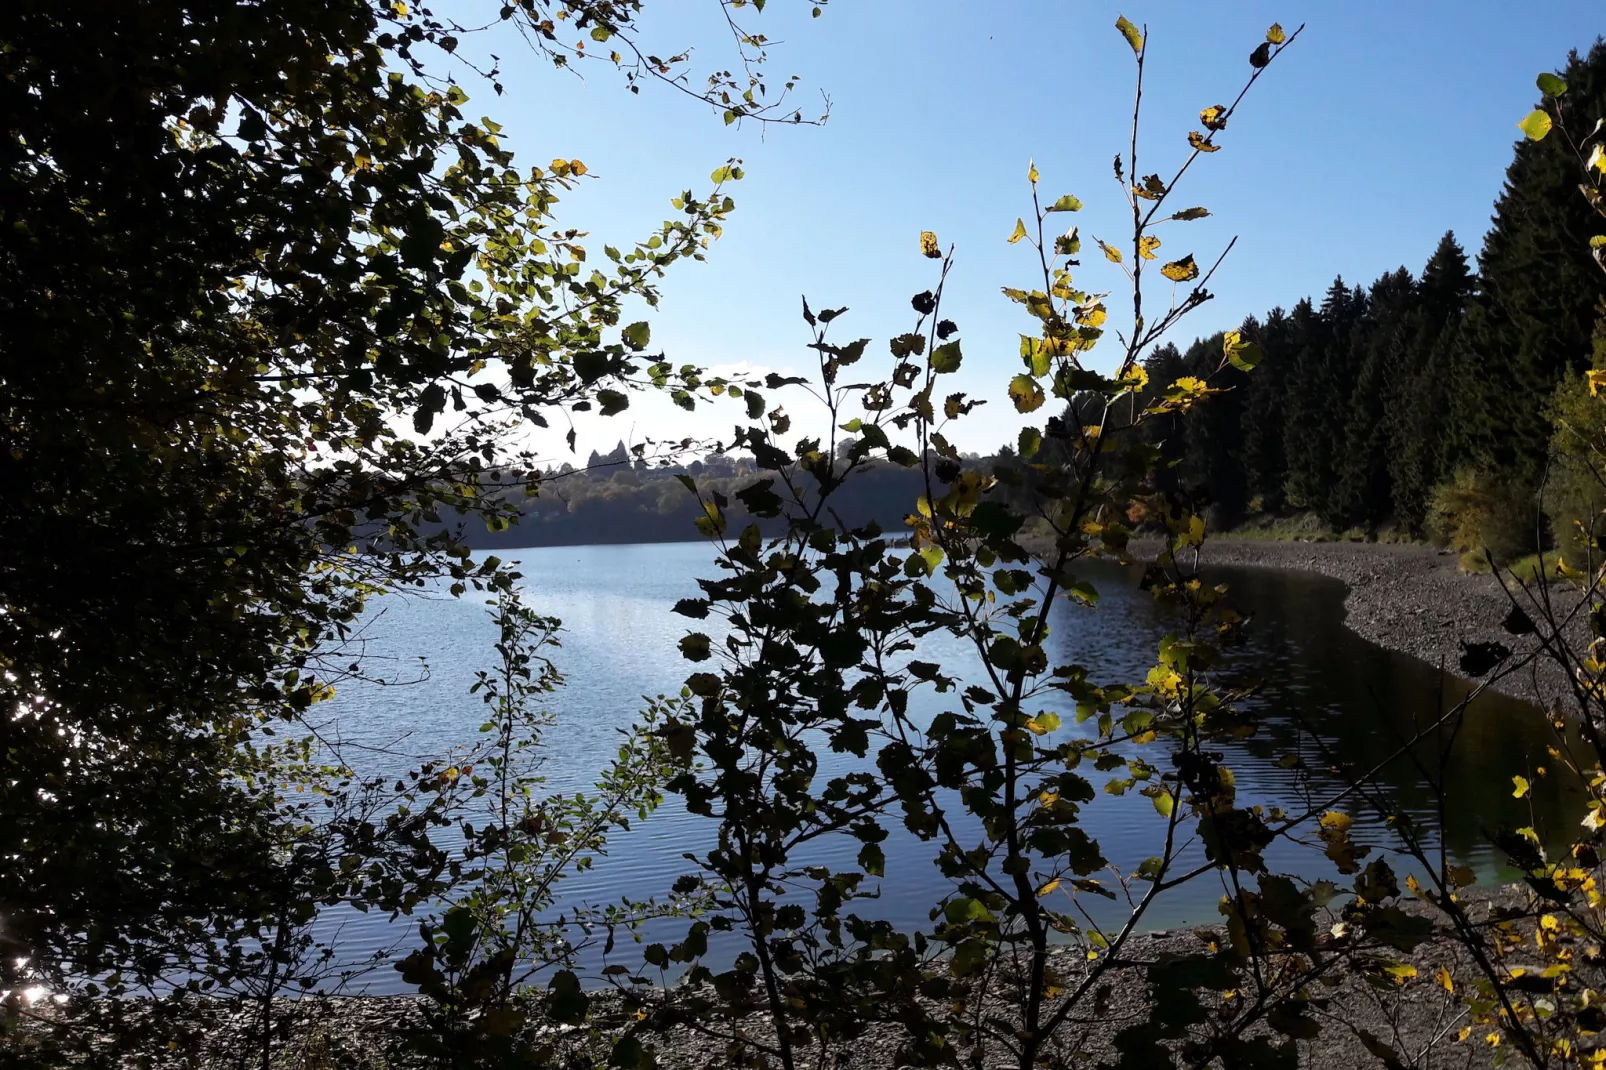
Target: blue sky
point(1384, 126)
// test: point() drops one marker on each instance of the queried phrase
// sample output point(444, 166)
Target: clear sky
point(1384, 126)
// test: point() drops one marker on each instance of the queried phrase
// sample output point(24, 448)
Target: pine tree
point(1531, 322)
point(1265, 459)
point(1418, 384)
point(1165, 433)
point(1361, 492)
point(1213, 470)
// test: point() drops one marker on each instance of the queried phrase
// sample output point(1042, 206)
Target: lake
point(619, 645)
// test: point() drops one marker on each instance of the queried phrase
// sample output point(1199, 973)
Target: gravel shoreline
point(1411, 599)
point(1417, 1019)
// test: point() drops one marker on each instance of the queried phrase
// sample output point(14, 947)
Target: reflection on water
point(1324, 693)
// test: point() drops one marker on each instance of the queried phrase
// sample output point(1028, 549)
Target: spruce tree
point(1418, 384)
point(1532, 320)
point(1324, 373)
point(1361, 492)
point(1265, 405)
point(1213, 469)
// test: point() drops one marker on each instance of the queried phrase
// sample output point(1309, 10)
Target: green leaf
point(637, 335)
point(612, 401)
point(1130, 32)
point(1536, 125)
point(1066, 203)
point(1551, 86)
point(945, 358)
point(1031, 440)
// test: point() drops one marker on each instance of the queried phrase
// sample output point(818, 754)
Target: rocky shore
point(1412, 599)
point(1414, 1019)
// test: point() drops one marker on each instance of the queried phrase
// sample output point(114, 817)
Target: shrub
point(1476, 512)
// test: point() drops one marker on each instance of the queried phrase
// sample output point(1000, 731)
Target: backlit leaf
point(1214, 117)
point(1184, 270)
point(1026, 393)
point(1536, 125)
point(1019, 232)
point(928, 245)
point(1197, 140)
point(1066, 203)
point(1130, 32)
point(1111, 253)
point(1031, 172)
point(1519, 787)
point(1191, 213)
point(1147, 245)
point(1276, 35)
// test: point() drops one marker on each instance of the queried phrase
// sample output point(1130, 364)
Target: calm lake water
point(619, 646)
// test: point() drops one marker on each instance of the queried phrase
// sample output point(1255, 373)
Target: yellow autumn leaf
point(1214, 117)
point(1184, 270)
point(1019, 232)
point(1445, 980)
point(1130, 32)
point(1111, 253)
point(1275, 35)
point(928, 244)
point(1597, 379)
point(1197, 140)
point(1337, 821)
point(1400, 972)
point(1092, 315)
point(1520, 785)
point(1536, 124)
point(1031, 171)
point(1147, 245)
point(1049, 887)
point(1597, 158)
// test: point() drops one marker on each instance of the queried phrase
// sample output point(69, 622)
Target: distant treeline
point(617, 498)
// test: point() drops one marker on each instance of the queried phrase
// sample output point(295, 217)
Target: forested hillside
point(1424, 394)
point(620, 498)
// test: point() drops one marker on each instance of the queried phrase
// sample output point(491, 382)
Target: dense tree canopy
point(269, 303)
point(1372, 399)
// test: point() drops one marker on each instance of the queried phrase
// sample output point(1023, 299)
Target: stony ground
point(1419, 1022)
